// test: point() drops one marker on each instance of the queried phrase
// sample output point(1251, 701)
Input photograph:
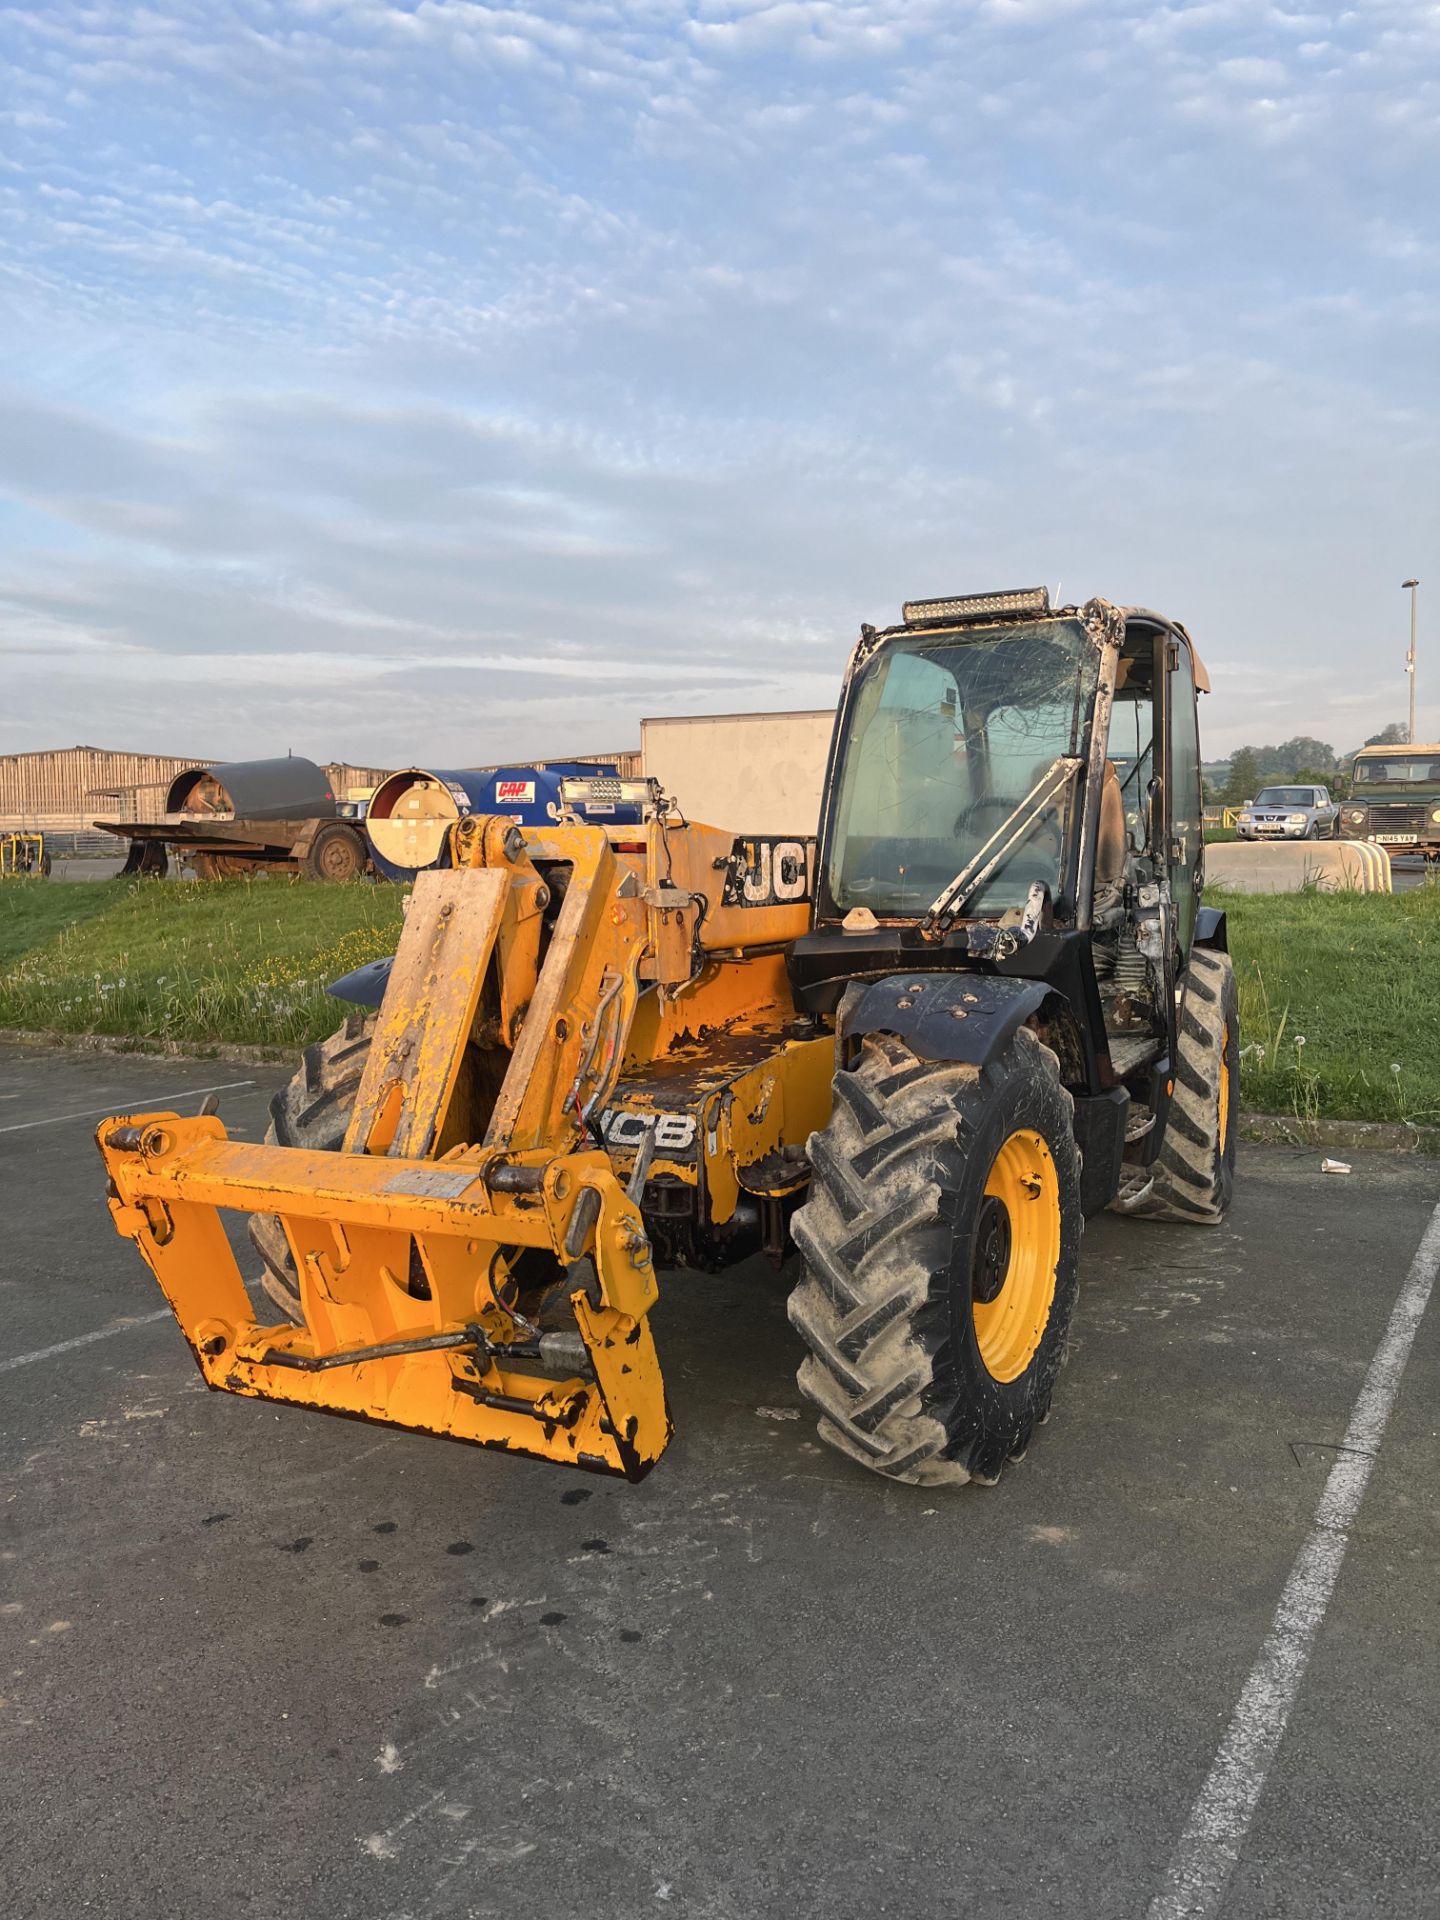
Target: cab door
point(1183, 805)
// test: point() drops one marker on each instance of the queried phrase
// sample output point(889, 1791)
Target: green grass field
point(1339, 1003)
point(1339, 993)
point(232, 960)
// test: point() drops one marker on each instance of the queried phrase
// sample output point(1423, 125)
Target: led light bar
point(596, 795)
point(971, 606)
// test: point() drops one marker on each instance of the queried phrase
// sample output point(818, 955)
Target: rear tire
point(936, 1320)
point(336, 855)
point(1194, 1171)
point(313, 1111)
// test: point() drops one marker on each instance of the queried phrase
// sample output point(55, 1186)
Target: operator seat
point(1112, 846)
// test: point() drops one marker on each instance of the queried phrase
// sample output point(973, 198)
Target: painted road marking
point(95, 1113)
point(82, 1340)
point(1205, 1856)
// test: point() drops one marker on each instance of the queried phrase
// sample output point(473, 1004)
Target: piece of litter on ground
point(778, 1413)
point(1335, 1166)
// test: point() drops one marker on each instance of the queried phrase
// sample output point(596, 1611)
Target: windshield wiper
point(952, 902)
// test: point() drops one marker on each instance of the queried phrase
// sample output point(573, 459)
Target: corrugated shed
point(628, 763)
point(73, 783)
point(346, 779)
point(62, 789)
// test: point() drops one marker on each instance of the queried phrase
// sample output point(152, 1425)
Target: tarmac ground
point(260, 1662)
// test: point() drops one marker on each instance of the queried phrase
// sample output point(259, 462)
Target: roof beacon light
point(974, 606)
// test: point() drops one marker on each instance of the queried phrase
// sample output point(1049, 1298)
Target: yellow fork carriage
point(578, 1018)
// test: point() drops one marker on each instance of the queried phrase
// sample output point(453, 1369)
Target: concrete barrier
point(1332, 866)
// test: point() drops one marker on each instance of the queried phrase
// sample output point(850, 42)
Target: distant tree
point(1302, 751)
point(1244, 781)
point(1397, 734)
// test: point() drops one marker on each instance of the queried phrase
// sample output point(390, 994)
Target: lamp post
point(1410, 657)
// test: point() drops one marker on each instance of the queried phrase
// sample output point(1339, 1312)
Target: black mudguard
point(967, 1018)
point(1210, 930)
point(365, 987)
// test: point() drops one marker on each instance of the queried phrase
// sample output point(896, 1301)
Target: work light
point(972, 606)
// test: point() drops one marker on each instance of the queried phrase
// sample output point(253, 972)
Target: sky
point(444, 382)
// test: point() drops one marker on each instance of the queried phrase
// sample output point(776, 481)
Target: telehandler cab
point(986, 1003)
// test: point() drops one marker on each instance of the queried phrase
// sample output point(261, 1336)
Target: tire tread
point(1192, 1177)
point(878, 1232)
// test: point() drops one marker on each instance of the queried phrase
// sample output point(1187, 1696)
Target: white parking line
point(81, 1340)
point(94, 1113)
point(1205, 1856)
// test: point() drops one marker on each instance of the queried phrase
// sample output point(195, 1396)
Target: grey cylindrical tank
point(288, 789)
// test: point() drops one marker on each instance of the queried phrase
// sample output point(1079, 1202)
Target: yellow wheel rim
point(1225, 1087)
point(1017, 1249)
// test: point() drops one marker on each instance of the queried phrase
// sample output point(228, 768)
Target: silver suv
point(1289, 813)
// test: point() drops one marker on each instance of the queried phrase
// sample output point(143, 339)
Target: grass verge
point(1339, 1003)
point(243, 961)
point(1339, 993)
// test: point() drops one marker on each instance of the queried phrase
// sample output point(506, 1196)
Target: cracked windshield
point(946, 737)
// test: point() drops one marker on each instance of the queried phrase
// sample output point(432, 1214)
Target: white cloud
point(639, 351)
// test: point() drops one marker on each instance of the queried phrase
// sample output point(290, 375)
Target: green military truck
point(1395, 800)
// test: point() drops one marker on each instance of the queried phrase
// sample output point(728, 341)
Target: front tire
point(312, 1111)
point(941, 1237)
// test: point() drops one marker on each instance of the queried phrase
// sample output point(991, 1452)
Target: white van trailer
point(754, 772)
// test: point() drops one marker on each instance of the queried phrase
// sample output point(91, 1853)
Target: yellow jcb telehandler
point(986, 1002)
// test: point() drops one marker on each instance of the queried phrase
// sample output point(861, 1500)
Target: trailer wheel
point(312, 1111)
point(941, 1239)
point(1194, 1170)
point(336, 854)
